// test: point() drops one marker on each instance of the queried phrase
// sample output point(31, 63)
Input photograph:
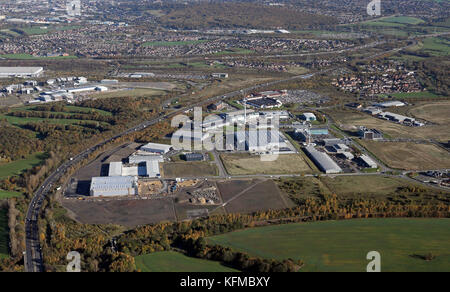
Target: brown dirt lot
point(348, 119)
point(409, 156)
point(245, 164)
point(187, 212)
point(123, 212)
point(244, 196)
point(188, 169)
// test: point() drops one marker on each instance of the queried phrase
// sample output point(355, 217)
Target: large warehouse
point(109, 186)
point(139, 165)
point(323, 161)
point(262, 141)
point(22, 72)
point(156, 148)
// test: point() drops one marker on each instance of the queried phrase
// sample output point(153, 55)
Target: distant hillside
point(241, 15)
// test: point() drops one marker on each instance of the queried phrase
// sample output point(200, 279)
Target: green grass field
point(343, 245)
point(4, 234)
point(424, 94)
point(73, 108)
point(8, 194)
point(169, 261)
point(35, 30)
point(394, 21)
point(402, 19)
point(17, 167)
point(171, 44)
point(436, 46)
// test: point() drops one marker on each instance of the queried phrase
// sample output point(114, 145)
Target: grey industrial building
point(262, 141)
point(193, 157)
point(22, 72)
point(109, 186)
point(156, 148)
point(263, 102)
point(367, 161)
point(370, 134)
point(322, 160)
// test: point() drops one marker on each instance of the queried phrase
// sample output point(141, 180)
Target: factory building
point(115, 169)
point(262, 141)
point(218, 106)
point(393, 103)
point(191, 135)
point(369, 134)
point(21, 72)
point(263, 102)
point(240, 116)
point(56, 95)
point(86, 88)
point(219, 75)
point(270, 93)
point(282, 115)
point(309, 117)
point(322, 160)
point(372, 110)
point(395, 117)
point(334, 141)
point(156, 148)
point(367, 161)
point(302, 134)
point(109, 186)
point(139, 165)
point(214, 122)
point(139, 158)
point(193, 157)
point(347, 155)
point(338, 148)
point(109, 81)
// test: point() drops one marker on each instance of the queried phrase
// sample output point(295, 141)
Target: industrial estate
point(147, 136)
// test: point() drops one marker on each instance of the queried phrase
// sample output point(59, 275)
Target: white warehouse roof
point(20, 71)
point(115, 169)
point(390, 103)
point(323, 161)
point(136, 159)
point(260, 140)
point(153, 169)
point(113, 186)
point(368, 161)
point(156, 148)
